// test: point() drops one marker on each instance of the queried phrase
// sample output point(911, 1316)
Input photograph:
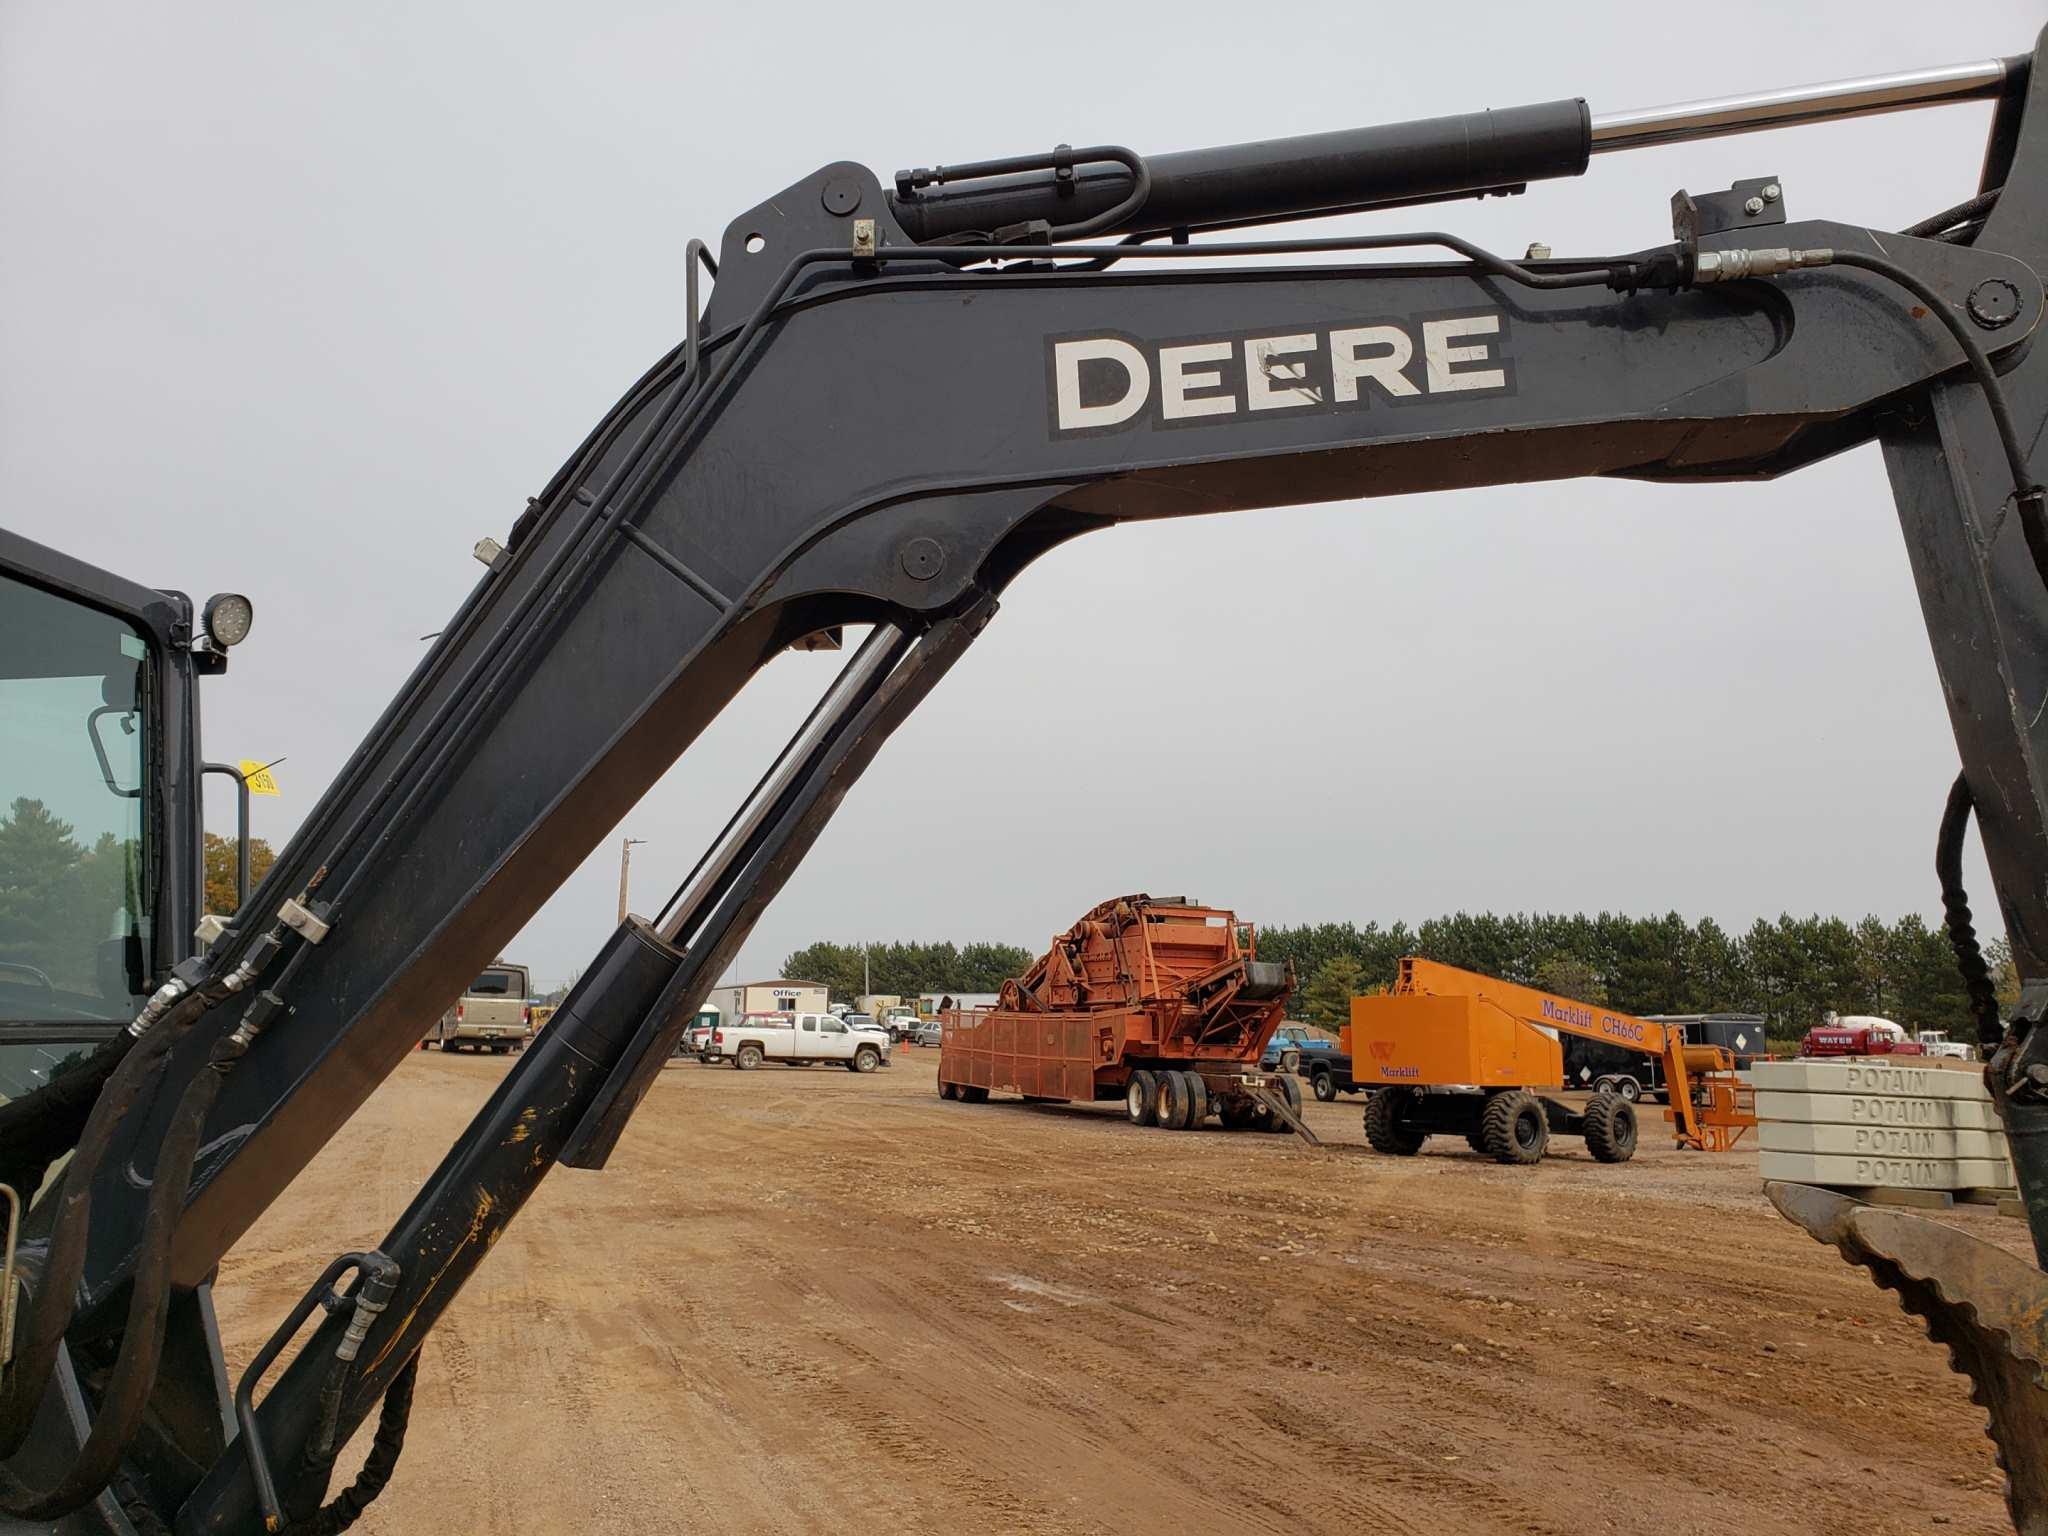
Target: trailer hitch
point(1989, 1307)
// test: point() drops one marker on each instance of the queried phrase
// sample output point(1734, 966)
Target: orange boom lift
point(1451, 1052)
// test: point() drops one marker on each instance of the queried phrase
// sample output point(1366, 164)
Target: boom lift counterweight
point(864, 427)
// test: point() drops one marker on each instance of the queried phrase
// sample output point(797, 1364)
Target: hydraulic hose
point(344, 1510)
point(133, 1377)
point(1955, 906)
point(155, 1031)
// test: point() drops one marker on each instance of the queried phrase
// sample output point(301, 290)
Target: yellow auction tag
point(258, 775)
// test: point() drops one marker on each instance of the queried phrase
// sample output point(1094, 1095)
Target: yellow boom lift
point(1451, 1052)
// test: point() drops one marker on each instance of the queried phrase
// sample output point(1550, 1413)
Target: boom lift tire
point(1515, 1128)
point(1476, 1140)
point(1384, 1109)
point(1141, 1098)
point(1198, 1100)
point(1610, 1128)
point(1173, 1101)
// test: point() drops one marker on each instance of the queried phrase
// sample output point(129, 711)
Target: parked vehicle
point(491, 1015)
point(888, 1027)
point(1290, 1045)
point(1609, 1068)
point(861, 1024)
point(795, 1039)
point(930, 1032)
point(1935, 1042)
point(1160, 1002)
point(1858, 1035)
point(692, 1043)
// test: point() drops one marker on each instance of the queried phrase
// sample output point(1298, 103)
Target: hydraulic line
point(156, 1031)
point(346, 1508)
point(1963, 213)
point(133, 1377)
point(1955, 907)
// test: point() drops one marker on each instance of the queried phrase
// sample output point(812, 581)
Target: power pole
point(626, 863)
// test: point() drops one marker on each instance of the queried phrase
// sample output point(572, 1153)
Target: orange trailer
point(1160, 1002)
point(1454, 1052)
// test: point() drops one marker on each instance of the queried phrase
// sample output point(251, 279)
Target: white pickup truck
point(797, 1039)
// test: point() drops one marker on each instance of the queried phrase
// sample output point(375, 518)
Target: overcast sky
point(303, 301)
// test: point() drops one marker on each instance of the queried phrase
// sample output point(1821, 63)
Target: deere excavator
point(895, 396)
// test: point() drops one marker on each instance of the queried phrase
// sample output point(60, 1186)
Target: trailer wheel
point(1290, 1090)
point(1603, 1085)
point(749, 1057)
point(1198, 1099)
point(1235, 1112)
point(1611, 1129)
point(1173, 1101)
point(1628, 1088)
point(969, 1094)
point(1515, 1128)
point(1141, 1098)
point(1324, 1081)
point(1384, 1109)
point(949, 1091)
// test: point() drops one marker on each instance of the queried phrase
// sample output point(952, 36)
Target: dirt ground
point(807, 1301)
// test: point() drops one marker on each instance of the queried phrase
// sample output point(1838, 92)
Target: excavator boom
point(895, 399)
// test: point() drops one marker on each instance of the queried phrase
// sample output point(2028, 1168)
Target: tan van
point(492, 1013)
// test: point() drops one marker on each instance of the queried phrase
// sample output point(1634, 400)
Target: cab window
point(75, 693)
point(498, 983)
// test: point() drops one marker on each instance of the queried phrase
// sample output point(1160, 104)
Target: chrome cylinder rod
point(857, 681)
point(1799, 104)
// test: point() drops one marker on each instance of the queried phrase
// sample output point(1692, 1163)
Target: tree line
point(906, 969)
point(1792, 971)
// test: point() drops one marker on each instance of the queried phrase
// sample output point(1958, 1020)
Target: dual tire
point(1172, 1100)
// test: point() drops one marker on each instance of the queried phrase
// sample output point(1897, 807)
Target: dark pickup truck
point(1329, 1074)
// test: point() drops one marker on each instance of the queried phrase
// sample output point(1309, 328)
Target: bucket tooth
point(1989, 1307)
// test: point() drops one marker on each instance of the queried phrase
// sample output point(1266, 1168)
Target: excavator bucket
point(1989, 1307)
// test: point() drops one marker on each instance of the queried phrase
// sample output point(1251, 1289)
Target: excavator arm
point(896, 398)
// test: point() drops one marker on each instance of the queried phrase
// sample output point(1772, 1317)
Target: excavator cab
point(99, 803)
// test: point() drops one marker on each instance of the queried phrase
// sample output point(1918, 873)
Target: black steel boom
point(871, 428)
